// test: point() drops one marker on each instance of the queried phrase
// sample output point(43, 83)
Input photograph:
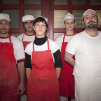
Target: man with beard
point(86, 46)
point(11, 54)
point(27, 37)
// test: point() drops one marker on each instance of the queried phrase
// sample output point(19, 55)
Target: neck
point(40, 36)
point(40, 41)
point(29, 33)
point(69, 32)
point(92, 33)
point(4, 35)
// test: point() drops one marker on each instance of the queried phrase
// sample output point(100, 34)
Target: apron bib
point(66, 80)
point(8, 73)
point(25, 43)
point(42, 83)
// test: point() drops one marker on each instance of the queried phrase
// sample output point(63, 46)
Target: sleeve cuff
point(20, 60)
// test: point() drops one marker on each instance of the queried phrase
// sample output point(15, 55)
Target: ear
point(9, 26)
point(75, 23)
point(64, 25)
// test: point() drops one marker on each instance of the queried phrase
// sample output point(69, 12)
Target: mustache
point(90, 22)
point(3, 29)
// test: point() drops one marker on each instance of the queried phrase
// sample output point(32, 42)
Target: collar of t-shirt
point(40, 41)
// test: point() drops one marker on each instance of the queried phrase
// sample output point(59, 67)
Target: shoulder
point(51, 42)
point(29, 48)
point(30, 45)
point(15, 40)
point(53, 46)
point(59, 37)
point(78, 35)
point(99, 32)
point(20, 36)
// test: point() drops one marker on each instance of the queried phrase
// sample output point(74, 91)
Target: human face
point(69, 24)
point(40, 29)
point(28, 25)
point(4, 27)
point(90, 20)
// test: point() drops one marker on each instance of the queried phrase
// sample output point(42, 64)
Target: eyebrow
point(92, 14)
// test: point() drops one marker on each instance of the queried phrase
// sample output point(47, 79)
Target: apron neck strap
point(10, 38)
point(48, 44)
point(23, 37)
point(64, 38)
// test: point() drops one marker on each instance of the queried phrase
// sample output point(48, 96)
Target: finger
point(21, 92)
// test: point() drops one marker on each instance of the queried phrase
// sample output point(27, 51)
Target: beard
point(90, 26)
point(3, 31)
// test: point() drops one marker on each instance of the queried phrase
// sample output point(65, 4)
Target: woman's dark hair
point(40, 19)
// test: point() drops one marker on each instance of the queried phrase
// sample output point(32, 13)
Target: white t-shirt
point(59, 39)
point(17, 45)
point(87, 51)
point(26, 37)
point(52, 45)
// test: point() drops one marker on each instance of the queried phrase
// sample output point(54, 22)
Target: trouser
point(62, 98)
point(23, 98)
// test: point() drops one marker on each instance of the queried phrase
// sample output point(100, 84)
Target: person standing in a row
point(11, 53)
point(86, 46)
point(26, 38)
point(46, 62)
point(66, 80)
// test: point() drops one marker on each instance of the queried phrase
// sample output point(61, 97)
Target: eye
point(7, 23)
point(86, 18)
point(31, 22)
point(36, 24)
point(94, 16)
point(71, 22)
point(25, 22)
point(67, 23)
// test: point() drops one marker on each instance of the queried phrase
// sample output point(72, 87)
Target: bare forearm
point(21, 72)
point(69, 59)
point(28, 71)
point(58, 72)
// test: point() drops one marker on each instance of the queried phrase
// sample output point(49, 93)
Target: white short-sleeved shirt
point(85, 48)
point(25, 37)
point(17, 45)
point(52, 45)
point(59, 39)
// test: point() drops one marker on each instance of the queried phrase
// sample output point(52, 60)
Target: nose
point(40, 26)
point(90, 18)
point(3, 25)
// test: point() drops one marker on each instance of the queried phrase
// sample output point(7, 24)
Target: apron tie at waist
point(43, 68)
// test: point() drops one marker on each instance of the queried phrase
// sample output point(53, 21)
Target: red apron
point(66, 80)
point(8, 73)
point(43, 84)
point(25, 43)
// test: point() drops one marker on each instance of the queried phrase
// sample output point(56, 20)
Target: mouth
point(3, 29)
point(40, 30)
point(91, 22)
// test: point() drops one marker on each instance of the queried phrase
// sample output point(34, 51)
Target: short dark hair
point(40, 19)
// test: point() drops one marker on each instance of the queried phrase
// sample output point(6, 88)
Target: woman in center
point(43, 55)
